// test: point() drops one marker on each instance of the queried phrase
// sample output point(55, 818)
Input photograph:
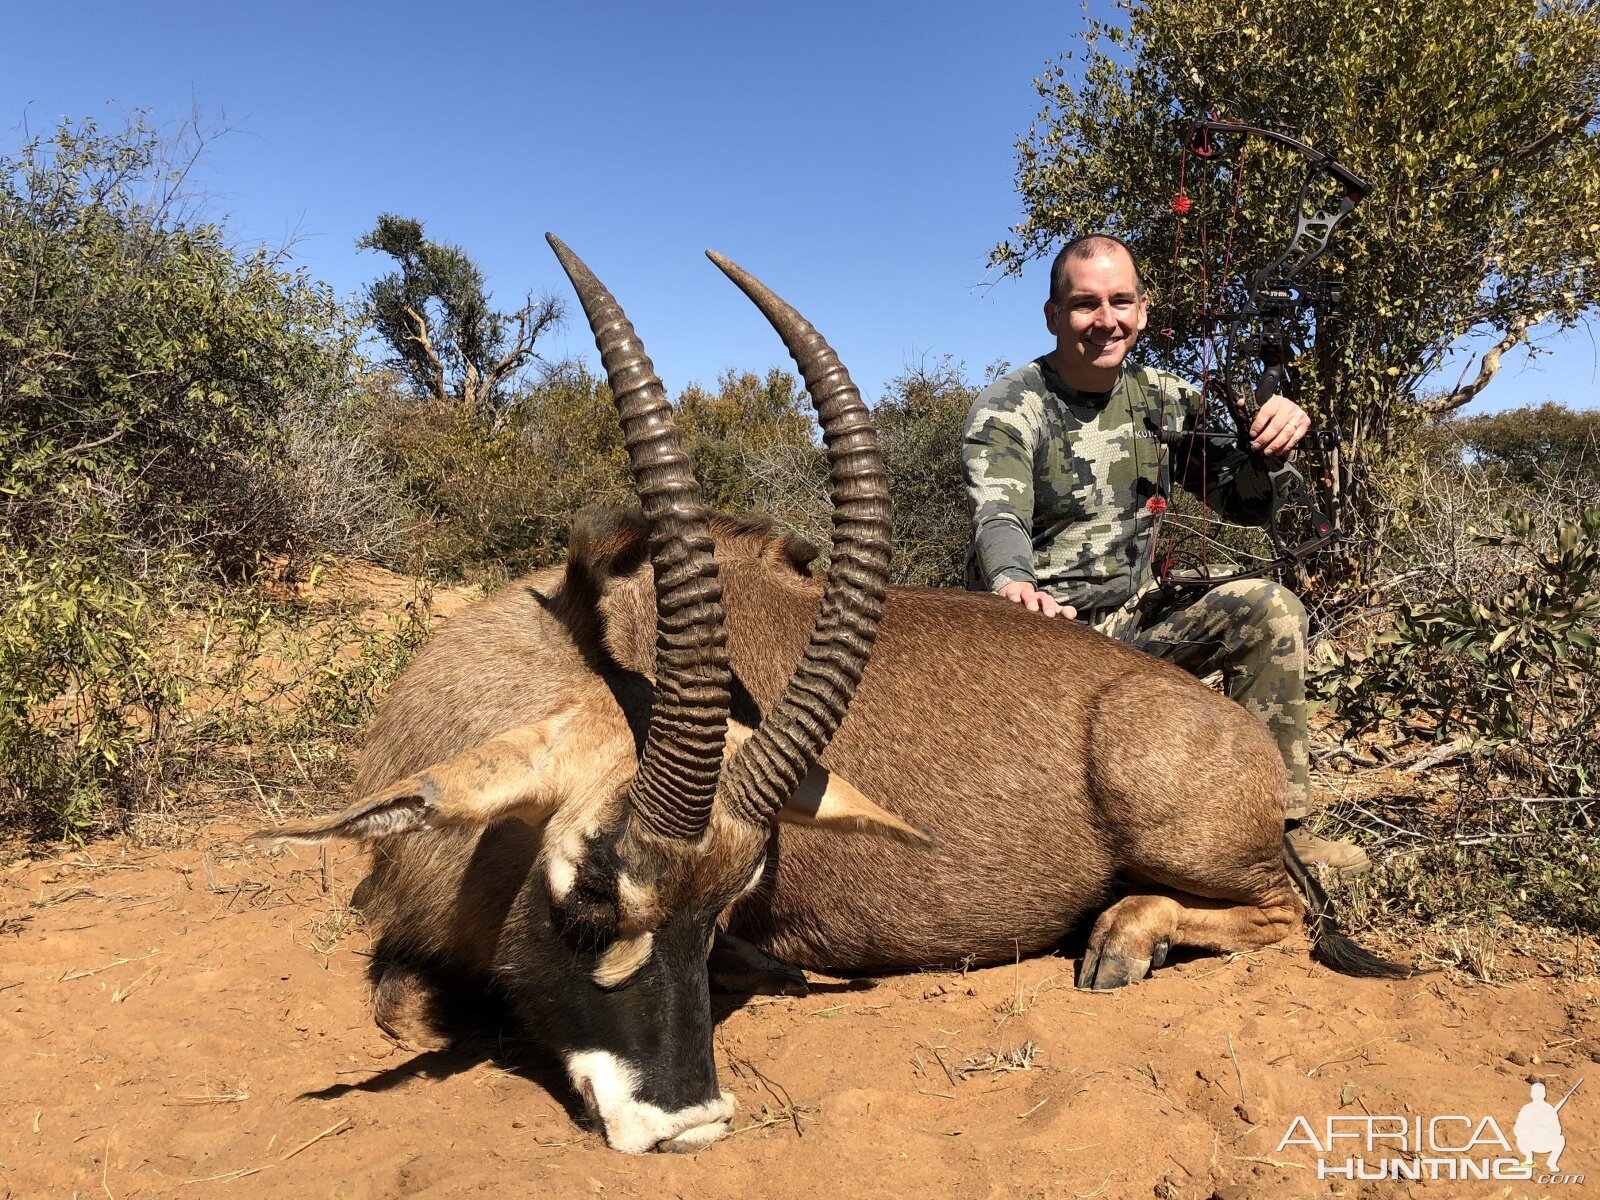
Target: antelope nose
point(697, 1138)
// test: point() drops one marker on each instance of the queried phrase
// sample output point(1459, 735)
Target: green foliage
point(161, 399)
point(1532, 444)
point(1476, 123)
point(920, 422)
point(1510, 666)
point(434, 314)
point(1535, 863)
point(738, 434)
point(756, 449)
point(499, 501)
point(83, 706)
point(352, 662)
point(144, 365)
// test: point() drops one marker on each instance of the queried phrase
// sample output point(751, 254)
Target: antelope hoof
point(1102, 970)
point(737, 968)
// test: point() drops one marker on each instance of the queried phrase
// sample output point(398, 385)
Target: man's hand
point(1032, 599)
point(1278, 427)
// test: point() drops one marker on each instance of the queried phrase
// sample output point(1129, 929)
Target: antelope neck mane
point(607, 597)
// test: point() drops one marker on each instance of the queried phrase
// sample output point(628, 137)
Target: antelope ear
point(827, 801)
point(527, 772)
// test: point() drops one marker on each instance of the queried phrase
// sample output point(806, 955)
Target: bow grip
point(1269, 384)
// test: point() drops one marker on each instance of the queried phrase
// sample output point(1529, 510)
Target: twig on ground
point(1435, 757)
point(1237, 1073)
point(312, 1141)
point(69, 976)
point(948, 1073)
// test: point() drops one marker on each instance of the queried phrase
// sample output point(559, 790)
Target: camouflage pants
point(1253, 631)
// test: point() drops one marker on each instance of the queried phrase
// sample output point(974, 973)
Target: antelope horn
point(795, 732)
point(672, 792)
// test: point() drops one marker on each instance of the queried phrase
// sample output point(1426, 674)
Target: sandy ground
point(193, 1022)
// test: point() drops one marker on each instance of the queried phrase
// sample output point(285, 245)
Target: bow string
point(1258, 346)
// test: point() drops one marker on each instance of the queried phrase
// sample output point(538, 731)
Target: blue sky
point(857, 157)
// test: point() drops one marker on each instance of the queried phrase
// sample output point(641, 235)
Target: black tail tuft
point(1329, 945)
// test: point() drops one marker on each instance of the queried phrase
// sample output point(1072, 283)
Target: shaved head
point(1091, 245)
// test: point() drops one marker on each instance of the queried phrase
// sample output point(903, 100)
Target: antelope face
point(616, 937)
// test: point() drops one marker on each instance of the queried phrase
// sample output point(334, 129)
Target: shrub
point(164, 400)
point(1509, 664)
point(920, 423)
point(145, 366)
point(498, 501)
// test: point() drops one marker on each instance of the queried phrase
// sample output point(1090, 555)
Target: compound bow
point(1274, 299)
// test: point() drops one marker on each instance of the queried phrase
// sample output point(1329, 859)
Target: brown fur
point(1046, 759)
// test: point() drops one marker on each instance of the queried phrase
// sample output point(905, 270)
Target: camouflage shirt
point(1060, 481)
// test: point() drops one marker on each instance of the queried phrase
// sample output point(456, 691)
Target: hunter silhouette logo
point(1445, 1146)
point(1538, 1127)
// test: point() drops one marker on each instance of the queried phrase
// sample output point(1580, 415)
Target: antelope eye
point(588, 915)
point(586, 919)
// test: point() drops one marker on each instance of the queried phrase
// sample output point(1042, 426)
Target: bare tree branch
point(532, 320)
point(81, 447)
point(420, 336)
point(1573, 125)
point(1516, 333)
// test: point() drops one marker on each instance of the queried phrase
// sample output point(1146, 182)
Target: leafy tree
point(434, 313)
point(1534, 444)
point(738, 434)
point(1477, 123)
point(920, 420)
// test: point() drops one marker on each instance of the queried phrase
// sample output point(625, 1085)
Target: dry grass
point(1001, 1062)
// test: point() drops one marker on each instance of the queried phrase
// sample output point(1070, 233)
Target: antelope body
point(551, 816)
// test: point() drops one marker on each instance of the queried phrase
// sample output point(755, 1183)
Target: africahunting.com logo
point(1446, 1146)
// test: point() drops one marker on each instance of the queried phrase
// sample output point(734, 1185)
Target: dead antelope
point(583, 800)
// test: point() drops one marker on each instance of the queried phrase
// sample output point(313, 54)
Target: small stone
point(1517, 1058)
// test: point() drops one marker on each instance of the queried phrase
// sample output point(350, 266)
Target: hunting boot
point(1324, 852)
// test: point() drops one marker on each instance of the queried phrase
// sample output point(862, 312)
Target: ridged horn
point(676, 783)
point(792, 736)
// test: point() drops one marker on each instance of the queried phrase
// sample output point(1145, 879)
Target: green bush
point(163, 402)
point(1509, 666)
point(145, 366)
point(1536, 863)
point(498, 501)
point(920, 422)
point(84, 708)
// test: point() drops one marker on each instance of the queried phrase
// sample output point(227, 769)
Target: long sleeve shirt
point(1060, 482)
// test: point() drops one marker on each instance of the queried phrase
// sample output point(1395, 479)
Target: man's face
point(1096, 317)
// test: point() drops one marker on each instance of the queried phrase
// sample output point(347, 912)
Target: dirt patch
point(194, 1022)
